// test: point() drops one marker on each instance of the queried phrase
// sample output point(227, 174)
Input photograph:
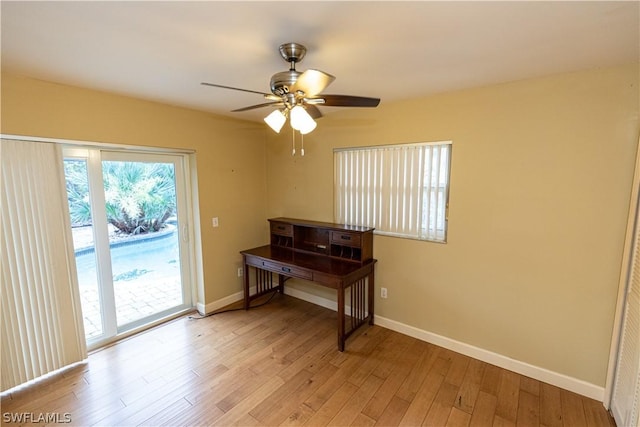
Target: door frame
point(196, 281)
point(95, 156)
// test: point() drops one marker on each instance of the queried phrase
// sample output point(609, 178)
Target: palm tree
point(140, 197)
point(75, 172)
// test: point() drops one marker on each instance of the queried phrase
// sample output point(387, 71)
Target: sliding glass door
point(128, 213)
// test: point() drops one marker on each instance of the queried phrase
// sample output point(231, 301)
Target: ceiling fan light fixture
point(301, 120)
point(297, 94)
point(309, 128)
point(276, 120)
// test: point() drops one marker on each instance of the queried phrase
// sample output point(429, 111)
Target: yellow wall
point(231, 158)
point(540, 185)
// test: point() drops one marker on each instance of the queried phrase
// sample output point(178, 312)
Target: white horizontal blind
point(41, 323)
point(401, 190)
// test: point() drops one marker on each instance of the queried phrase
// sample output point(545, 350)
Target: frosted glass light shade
point(275, 120)
point(301, 120)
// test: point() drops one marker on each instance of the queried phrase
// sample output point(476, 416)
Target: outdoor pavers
point(143, 285)
point(134, 300)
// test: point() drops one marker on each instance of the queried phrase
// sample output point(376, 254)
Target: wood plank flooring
point(278, 364)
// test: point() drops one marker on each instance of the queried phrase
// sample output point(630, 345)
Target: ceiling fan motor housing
point(281, 82)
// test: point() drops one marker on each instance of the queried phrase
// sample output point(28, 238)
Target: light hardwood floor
point(278, 364)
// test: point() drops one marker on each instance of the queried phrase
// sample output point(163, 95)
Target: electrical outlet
point(383, 292)
point(240, 271)
point(214, 221)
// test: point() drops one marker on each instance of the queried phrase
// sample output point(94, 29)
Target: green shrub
point(140, 197)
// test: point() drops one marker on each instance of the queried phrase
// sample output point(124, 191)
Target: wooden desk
point(325, 263)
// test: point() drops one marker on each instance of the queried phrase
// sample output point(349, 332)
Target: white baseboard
point(296, 293)
point(560, 380)
point(541, 374)
point(306, 296)
point(216, 305)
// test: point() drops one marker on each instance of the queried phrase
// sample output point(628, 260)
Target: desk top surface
point(328, 225)
point(321, 263)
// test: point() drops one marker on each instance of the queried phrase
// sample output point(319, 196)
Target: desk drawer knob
point(345, 237)
point(286, 269)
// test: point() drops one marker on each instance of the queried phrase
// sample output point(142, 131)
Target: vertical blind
point(401, 190)
point(42, 329)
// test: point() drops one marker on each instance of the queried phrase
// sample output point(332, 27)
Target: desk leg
point(341, 338)
point(371, 296)
point(246, 283)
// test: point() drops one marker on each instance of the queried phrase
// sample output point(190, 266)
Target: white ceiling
point(161, 51)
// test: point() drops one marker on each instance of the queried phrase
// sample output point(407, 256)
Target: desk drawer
point(345, 238)
point(282, 229)
point(286, 269)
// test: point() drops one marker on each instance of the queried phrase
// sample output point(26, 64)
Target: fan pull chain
point(293, 142)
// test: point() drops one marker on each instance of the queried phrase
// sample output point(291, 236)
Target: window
point(401, 190)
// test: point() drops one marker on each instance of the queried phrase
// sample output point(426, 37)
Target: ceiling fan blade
point(235, 88)
point(313, 111)
point(312, 82)
point(347, 101)
point(266, 104)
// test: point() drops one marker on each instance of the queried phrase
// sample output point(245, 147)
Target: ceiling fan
point(297, 94)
